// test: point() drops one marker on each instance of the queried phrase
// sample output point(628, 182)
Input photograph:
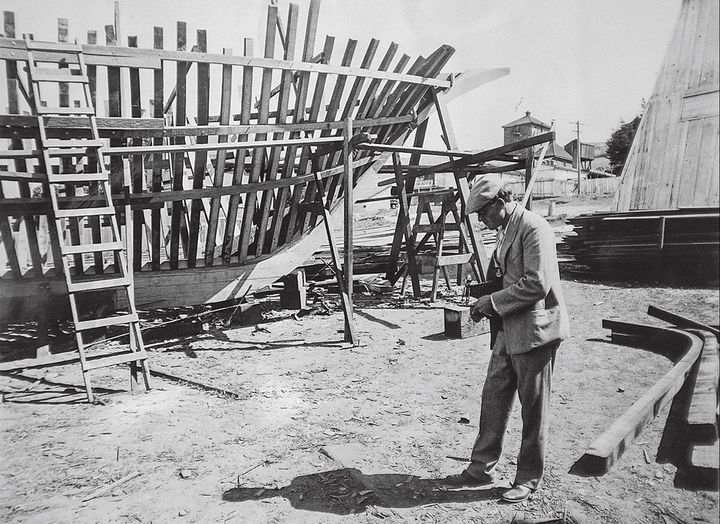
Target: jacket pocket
point(533, 328)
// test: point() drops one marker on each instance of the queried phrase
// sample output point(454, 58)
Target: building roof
point(555, 151)
point(527, 119)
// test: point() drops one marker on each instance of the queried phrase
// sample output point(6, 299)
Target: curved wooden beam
point(607, 449)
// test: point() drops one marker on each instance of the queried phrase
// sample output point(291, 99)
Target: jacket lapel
point(510, 234)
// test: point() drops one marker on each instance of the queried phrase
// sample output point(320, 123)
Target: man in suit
point(528, 321)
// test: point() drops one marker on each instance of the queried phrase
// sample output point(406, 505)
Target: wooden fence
point(550, 188)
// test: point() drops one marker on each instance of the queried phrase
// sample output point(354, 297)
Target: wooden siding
point(673, 160)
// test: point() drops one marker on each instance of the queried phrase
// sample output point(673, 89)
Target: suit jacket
point(531, 302)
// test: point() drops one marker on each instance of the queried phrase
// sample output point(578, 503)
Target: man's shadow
point(346, 491)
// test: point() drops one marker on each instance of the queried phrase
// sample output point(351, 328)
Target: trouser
point(530, 376)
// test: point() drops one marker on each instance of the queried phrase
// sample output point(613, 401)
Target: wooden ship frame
point(179, 209)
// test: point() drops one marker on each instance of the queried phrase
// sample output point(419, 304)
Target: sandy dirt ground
point(319, 431)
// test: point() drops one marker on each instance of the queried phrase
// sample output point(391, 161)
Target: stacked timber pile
point(679, 246)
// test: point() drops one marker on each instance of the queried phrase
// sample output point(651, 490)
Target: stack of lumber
point(672, 245)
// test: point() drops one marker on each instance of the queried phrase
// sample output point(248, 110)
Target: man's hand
point(482, 308)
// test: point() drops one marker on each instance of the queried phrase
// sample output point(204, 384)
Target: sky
point(587, 60)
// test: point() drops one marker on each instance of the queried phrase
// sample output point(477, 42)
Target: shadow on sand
point(346, 491)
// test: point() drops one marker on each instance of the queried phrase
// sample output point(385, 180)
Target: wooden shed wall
point(673, 161)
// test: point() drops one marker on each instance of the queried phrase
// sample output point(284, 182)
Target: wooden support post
point(92, 71)
point(21, 167)
point(215, 206)
point(137, 165)
point(400, 226)
point(348, 188)
point(157, 183)
point(405, 229)
point(240, 153)
point(203, 112)
point(91, 166)
point(528, 177)
point(179, 159)
point(350, 335)
point(258, 156)
point(298, 216)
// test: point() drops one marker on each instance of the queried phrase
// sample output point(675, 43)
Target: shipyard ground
point(322, 432)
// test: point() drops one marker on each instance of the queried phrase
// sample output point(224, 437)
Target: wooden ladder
point(98, 208)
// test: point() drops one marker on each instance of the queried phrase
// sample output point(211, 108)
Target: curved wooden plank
point(607, 449)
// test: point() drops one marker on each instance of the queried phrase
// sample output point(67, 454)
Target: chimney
point(527, 113)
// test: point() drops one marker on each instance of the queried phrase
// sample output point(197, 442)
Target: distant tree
point(618, 146)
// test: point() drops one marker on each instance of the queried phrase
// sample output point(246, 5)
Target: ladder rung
point(94, 285)
point(20, 153)
point(65, 111)
point(78, 178)
point(84, 212)
point(67, 151)
point(73, 143)
point(61, 47)
point(42, 74)
point(91, 248)
point(102, 362)
point(83, 325)
point(13, 176)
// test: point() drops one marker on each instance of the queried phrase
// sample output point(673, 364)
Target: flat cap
point(483, 191)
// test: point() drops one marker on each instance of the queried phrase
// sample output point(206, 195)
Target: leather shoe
point(517, 494)
point(464, 480)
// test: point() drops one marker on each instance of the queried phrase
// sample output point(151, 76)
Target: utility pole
point(577, 153)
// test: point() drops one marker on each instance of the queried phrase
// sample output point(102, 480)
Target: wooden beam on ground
point(160, 373)
point(680, 321)
point(702, 412)
point(607, 449)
